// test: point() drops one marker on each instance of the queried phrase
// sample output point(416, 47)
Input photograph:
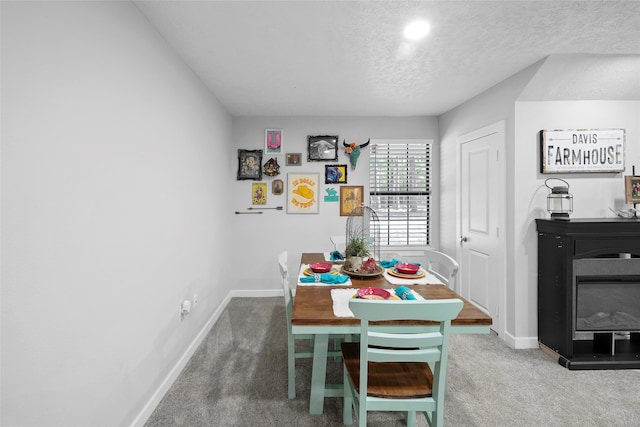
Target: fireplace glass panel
point(608, 306)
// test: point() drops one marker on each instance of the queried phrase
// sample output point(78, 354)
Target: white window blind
point(400, 190)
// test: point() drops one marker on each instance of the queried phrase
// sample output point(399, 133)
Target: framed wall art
point(250, 164)
point(632, 189)
point(335, 174)
point(302, 193)
point(294, 159)
point(277, 187)
point(582, 150)
point(322, 148)
point(259, 193)
point(351, 196)
point(273, 141)
point(272, 168)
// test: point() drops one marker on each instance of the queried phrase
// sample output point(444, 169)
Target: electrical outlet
point(195, 300)
point(185, 308)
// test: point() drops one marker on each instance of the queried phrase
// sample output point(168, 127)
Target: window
point(400, 190)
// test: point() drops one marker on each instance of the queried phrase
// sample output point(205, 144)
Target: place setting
point(341, 297)
point(401, 273)
point(322, 273)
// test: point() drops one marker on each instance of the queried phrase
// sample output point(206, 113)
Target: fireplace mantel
point(567, 249)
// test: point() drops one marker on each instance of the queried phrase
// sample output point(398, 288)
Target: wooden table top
point(313, 305)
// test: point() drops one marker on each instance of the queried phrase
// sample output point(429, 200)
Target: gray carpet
point(238, 377)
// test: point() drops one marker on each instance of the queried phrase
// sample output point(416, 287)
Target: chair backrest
point(339, 243)
point(442, 266)
point(286, 288)
point(406, 344)
point(439, 264)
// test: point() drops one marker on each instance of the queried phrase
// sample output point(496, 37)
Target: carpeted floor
point(238, 377)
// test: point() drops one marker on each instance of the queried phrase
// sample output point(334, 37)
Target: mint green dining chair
point(292, 352)
point(389, 370)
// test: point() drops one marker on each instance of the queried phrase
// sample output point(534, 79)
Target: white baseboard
point(256, 293)
point(520, 343)
point(166, 384)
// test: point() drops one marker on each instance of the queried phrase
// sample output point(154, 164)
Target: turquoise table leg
point(319, 373)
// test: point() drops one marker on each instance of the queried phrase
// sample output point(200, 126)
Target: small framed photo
point(294, 159)
point(632, 189)
point(259, 193)
point(335, 174)
point(277, 187)
point(250, 164)
point(302, 193)
point(351, 197)
point(322, 148)
point(273, 141)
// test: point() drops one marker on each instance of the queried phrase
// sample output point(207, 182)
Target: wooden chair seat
point(395, 380)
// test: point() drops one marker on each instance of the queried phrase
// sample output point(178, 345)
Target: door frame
point(500, 193)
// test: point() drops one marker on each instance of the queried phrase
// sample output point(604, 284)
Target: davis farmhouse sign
point(582, 150)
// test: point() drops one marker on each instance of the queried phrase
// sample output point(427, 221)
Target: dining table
point(313, 313)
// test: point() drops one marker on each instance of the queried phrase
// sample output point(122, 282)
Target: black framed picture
point(250, 164)
point(323, 148)
point(335, 174)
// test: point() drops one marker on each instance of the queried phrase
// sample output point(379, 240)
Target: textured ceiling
point(348, 58)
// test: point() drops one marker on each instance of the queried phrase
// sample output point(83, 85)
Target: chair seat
point(391, 379)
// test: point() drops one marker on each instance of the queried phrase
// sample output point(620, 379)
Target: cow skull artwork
point(353, 151)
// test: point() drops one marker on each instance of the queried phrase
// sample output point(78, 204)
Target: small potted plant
point(355, 252)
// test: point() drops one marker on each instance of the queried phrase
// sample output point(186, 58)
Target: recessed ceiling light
point(416, 30)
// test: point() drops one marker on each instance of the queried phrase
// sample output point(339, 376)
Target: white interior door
point(481, 212)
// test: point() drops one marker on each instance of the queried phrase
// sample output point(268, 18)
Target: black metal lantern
point(559, 201)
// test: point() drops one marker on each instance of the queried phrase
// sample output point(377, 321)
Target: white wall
point(260, 238)
point(493, 105)
point(526, 194)
point(489, 107)
point(112, 196)
point(593, 193)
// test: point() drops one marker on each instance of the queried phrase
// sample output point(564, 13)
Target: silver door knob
point(463, 239)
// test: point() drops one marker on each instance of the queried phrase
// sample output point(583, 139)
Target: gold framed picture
point(277, 187)
point(351, 196)
point(632, 189)
point(294, 159)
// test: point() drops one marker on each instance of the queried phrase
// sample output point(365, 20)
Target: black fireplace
point(607, 306)
point(589, 292)
point(607, 294)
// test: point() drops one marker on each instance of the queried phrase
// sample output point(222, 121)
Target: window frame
point(424, 228)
